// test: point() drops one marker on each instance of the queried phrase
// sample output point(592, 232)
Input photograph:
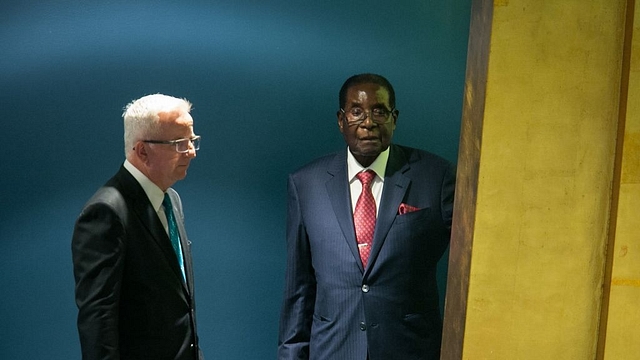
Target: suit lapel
point(149, 218)
point(338, 192)
point(395, 187)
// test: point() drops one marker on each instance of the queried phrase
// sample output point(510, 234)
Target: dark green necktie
point(173, 231)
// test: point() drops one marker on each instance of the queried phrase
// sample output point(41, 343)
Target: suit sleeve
point(98, 261)
point(300, 285)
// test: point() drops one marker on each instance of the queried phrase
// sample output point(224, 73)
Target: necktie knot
point(166, 202)
point(366, 177)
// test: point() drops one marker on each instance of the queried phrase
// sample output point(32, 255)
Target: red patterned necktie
point(364, 217)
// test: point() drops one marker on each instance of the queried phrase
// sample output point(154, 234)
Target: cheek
point(389, 131)
point(350, 139)
point(165, 162)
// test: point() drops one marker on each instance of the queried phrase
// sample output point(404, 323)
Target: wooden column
point(539, 150)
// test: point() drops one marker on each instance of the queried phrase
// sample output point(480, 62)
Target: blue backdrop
point(263, 76)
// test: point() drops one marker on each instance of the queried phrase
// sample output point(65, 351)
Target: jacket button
point(363, 326)
point(365, 288)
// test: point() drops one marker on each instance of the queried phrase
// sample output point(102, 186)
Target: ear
point(395, 115)
point(140, 151)
point(340, 121)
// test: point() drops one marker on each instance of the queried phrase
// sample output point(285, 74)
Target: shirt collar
point(379, 165)
point(154, 193)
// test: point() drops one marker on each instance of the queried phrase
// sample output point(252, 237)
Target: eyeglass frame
point(367, 114)
point(177, 143)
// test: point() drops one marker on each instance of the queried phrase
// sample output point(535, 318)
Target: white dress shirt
point(378, 166)
point(154, 193)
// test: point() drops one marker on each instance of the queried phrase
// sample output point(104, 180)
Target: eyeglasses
point(357, 115)
point(182, 145)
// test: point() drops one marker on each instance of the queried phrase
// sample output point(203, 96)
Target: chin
point(370, 152)
point(181, 175)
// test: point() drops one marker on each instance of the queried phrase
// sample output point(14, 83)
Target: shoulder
point(107, 197)
point(419, 157)
point(112, 196)
point(321, 165)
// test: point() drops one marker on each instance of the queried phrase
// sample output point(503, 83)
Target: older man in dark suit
point(366, 227)
point(131, 253)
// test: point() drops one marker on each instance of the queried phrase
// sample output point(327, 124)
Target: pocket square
point(405, 208)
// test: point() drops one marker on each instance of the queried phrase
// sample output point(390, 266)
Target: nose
point(367, 121)
point(192, 150)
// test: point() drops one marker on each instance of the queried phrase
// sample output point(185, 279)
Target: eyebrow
point(356, 102)
point(378, 105)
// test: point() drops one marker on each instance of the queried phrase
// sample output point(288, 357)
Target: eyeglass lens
point(356, 114)
point(183, 146)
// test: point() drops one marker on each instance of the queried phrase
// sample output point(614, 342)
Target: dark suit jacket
point(132, 301)
point(335, 309)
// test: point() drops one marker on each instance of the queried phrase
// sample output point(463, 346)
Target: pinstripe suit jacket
point(333, 308)
point(132, 301)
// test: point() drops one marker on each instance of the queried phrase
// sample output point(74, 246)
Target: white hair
point(141, 117)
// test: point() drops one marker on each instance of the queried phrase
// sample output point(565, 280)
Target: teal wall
point(263, 76)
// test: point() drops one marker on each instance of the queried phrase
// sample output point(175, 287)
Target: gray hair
point(141, 117)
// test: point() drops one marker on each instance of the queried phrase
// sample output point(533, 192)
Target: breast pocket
point(414, 216)
point(409, 233)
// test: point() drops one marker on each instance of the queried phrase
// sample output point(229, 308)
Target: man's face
point(164, 164)
point(367, 140)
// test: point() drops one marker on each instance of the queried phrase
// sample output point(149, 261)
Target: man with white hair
point(131, 254)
